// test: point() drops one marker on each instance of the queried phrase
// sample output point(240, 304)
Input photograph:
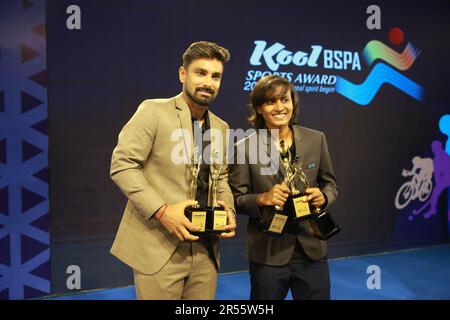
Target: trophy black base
point(324, 226)
point(299, 208)
point(212, 220)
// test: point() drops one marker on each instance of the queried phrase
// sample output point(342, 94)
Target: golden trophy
point(195, 214)
point(212, 219)
point(297, 206)
point(217, 215)
point(281, 216)
point(322, 223)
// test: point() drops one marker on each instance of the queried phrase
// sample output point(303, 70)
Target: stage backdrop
point(374, 82)
point(24, 190)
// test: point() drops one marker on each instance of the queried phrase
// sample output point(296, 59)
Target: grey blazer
point(142, 166)
point(246, 182)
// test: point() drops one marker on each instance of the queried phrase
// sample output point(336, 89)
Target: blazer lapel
point(213, 125)
point(273, 154)
point(212, 148)
point(184, 117)
point(299, 145)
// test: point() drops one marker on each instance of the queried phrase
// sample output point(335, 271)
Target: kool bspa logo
point(386, 66)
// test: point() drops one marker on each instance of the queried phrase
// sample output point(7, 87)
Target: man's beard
point(202, 102)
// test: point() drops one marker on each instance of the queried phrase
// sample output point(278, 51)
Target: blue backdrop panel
point(24, 192)
point(380, 95)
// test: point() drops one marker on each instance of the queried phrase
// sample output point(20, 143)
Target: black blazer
point(247, 180)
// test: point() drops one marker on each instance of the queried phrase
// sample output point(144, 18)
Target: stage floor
point(415, 274)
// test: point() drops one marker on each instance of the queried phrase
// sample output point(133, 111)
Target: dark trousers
point(307, 279)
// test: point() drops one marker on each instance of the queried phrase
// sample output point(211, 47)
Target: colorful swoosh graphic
point(364, 93)
point(377, 50)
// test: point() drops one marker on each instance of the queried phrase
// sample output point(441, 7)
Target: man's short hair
point(205, 49)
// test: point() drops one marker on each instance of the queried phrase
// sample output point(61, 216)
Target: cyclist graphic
point(441, 179)
point(420, 184)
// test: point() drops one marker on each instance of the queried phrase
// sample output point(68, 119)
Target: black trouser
point(306, 278)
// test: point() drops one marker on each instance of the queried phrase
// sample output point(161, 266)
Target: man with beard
point(155, 237)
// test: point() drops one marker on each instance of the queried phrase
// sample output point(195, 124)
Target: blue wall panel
point(24, 195)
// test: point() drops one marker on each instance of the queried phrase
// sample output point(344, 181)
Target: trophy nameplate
point(277, 224)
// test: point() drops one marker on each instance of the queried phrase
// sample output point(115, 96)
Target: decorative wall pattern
point(24, 195)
